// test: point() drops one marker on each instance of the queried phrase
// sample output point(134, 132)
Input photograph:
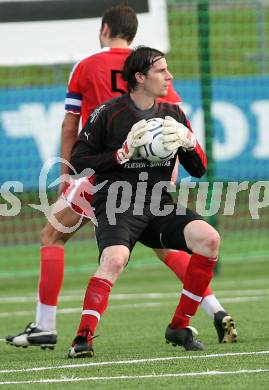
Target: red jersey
point(98, 78)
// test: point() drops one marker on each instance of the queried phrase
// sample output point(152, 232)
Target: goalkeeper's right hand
point(137, 136)
point(176, 135)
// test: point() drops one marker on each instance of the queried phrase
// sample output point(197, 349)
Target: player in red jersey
point(92, 81)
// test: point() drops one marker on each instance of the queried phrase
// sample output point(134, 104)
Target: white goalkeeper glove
point(137, 136)
point(176, 135)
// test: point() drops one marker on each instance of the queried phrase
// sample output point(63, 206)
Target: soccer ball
point(154, 149)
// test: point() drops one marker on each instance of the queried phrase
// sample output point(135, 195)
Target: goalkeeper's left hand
point(176, 135)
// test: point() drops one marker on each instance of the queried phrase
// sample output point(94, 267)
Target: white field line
point(132, 306)
point(137, 361)
point(128, 377)
point(72, 310)
point(127, 296)
point(114, 297)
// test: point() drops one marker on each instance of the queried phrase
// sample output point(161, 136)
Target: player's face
point(158, 78)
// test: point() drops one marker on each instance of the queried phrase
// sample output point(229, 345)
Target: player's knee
point(114, 263)
point(211, 242)
point(117, 264)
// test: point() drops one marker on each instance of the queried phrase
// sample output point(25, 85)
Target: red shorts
point(78, 194)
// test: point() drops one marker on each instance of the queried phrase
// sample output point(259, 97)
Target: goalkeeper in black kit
point(133, 202)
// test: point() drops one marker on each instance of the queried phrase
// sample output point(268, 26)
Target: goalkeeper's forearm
point(194, 161)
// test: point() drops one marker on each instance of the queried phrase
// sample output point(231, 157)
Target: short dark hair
point(140, 60)
point(122, 21)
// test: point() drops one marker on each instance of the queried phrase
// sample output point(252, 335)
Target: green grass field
point(81, 255)
point(130, 351)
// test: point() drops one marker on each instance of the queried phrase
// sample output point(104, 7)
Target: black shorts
point(152, 231)
point(168, 232)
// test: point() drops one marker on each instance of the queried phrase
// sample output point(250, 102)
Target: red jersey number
point(114, 87)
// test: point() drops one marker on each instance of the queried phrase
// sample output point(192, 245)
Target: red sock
point(51, 274)
point(178, 262)
point(198, 276)
point(95, 303)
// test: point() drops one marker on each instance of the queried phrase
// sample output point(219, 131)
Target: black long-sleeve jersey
point(106, 130)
